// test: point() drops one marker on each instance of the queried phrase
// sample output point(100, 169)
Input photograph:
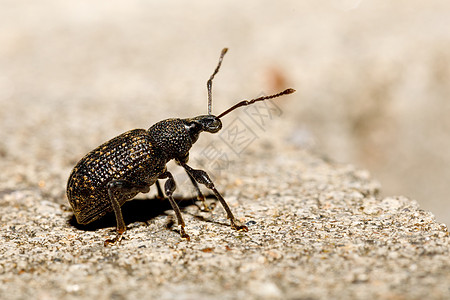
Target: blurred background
point(372, 80)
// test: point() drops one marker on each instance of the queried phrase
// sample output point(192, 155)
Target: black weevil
point(115, 172)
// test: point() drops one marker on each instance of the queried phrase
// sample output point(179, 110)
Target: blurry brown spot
point(276, 78)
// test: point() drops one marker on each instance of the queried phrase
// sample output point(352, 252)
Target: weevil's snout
point(208, 123)
point(211, 123)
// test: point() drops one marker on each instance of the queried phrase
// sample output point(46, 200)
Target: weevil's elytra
point(116, 171)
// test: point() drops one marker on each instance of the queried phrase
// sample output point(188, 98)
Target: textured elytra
point(129, 156)
point(138, 156)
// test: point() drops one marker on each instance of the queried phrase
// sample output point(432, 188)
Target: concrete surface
point(372, 75)
point(316, 231)
point(76, 74)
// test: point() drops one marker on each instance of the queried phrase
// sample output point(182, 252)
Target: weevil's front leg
point(117, 188)
point(200, 196)
point(169, 188)
point(201, 177)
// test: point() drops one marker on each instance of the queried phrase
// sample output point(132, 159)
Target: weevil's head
point(208, 123)
point(175, 137)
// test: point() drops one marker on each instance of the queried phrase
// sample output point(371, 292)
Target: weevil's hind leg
point(169, 188)
point(200, 196)
point(116, 188)
point(201, 177)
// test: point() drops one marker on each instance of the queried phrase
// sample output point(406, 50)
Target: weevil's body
point(138, 156)
point(130, 163)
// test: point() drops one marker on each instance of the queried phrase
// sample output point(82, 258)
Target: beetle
point(116, 171)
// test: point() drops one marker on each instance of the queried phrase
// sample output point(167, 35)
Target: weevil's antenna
point(248, 102)
point(209, 82)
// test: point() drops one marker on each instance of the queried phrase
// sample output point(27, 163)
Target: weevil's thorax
point(171, 138)
point(175, 137)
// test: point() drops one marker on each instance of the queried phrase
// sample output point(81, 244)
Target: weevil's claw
point(235, 224)
point(117, 240)
point(204, 207)
point(183, 234)
point(201, 198)
point(211, 206)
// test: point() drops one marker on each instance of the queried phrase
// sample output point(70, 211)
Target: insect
point(116, 171)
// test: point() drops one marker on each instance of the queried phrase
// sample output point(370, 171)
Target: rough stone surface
point(316, 231)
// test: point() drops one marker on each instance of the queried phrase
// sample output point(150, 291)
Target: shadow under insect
point(139, 210)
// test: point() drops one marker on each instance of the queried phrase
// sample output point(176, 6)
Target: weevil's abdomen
point(129, 156)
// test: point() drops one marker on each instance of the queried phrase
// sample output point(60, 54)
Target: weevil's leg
point(169, 188)
point(160, 192)
point(116, 188)
point(201, 177)
point(200, 196)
